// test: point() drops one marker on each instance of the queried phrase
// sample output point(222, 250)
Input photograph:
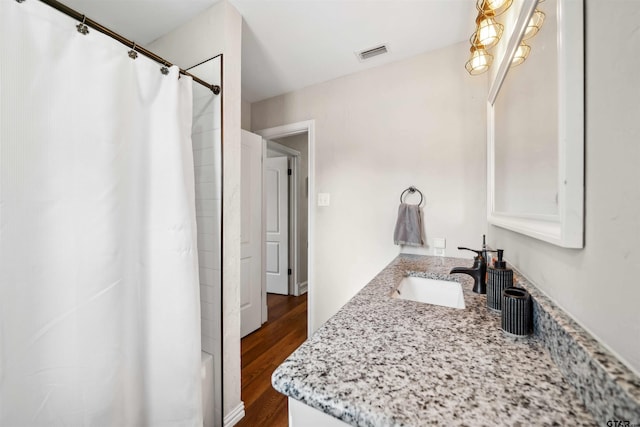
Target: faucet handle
point(479, 253)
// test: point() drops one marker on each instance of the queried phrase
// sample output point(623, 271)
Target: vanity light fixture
point(535, 23)
point(521, 54)
point(479, 61)
point(488, 31)
point(495, 7)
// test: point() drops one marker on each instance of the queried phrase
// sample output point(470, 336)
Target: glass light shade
point(479, 61)
point(488, 32)
point(521, 54)
point(494, 7)
point(534, 25)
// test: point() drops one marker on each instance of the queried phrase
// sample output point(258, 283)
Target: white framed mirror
point(535, 128)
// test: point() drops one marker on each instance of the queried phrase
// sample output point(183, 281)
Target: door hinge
point(288, 171)
point(289, 272)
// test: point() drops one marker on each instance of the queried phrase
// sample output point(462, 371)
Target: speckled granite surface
point(389, 362)
point(610, 390)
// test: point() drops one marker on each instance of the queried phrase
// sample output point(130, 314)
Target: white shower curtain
point(99, 297)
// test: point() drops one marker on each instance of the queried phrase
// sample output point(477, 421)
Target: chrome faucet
point(478, 271)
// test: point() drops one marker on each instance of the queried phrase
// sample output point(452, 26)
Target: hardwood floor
point(262, 352)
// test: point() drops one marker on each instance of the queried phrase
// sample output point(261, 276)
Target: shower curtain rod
point(104, 30)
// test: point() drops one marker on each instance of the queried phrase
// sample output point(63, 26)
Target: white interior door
point(277, 225)
point(250, 233)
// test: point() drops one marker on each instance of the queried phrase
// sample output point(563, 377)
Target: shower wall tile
point(208, 242)
point(209, 259)
point(209, 300)
point(207, 142)
point(207, 310)
point(204, 105)
point(208, 217)
point(209, 328)
point(206, 190)
point(209, 227)
point(204, 174)
point(207, 158)
point(207, 293)
point(204, 140)
point(203, 156)
point(207, 208)
point(211, 279)
point(204, 123)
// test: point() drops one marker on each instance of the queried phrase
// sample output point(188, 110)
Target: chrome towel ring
point(411, 190)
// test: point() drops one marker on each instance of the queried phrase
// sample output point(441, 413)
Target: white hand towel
point(408, 226)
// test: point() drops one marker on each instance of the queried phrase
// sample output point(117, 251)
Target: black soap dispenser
point(499, 278)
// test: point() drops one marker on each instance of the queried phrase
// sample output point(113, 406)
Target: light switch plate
point(324, 199)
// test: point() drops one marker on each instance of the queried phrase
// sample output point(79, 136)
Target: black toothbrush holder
point(516, 312)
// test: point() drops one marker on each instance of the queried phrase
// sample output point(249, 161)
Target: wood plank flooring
point(262, 352)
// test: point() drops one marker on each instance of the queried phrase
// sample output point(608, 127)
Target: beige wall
point(598, 285)
point(417, 122)
point(199, 39)
point(246, 115)
point(219, 30)
point(231, 145)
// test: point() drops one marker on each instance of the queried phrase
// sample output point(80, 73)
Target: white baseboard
point(302, 287)
point(235, 415)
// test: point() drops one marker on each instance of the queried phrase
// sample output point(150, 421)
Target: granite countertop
point(390, 362)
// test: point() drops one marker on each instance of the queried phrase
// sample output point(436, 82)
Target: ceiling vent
point(363, 55)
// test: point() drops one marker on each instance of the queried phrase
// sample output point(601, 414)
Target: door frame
point(294, 160)
point(291, 129)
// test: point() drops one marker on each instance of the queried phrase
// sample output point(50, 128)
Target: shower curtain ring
point(132, 53)
point(164, 70)
point(82, 27)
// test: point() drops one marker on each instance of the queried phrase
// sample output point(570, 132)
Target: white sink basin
point(430, 291)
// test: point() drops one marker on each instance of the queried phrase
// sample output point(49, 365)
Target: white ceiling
point(141, 21)
point(290, 44)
